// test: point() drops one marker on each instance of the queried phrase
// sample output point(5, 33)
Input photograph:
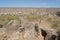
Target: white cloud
point(57, 0)
point(44, 4)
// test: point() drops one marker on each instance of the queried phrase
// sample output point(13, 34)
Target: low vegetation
point(54, 21)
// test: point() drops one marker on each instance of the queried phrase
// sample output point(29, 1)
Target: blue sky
point(30, 3)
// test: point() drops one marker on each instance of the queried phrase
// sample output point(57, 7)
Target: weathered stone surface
point(14, 30)
point(49, 34)
point(30, 32)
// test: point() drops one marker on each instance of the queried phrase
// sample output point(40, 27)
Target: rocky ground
point(13, 18)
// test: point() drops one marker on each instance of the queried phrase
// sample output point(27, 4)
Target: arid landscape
point(27, 23)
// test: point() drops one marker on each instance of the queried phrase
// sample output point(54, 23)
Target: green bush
point(6, 18)
point(54, 25)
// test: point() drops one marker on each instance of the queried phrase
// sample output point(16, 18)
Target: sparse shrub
point(54, 25)
point(49, 19)
point(4, 19)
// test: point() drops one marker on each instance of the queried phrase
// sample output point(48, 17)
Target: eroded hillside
point(42, 15)
point(45, 17)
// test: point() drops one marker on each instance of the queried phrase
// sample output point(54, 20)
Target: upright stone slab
point(29, 31)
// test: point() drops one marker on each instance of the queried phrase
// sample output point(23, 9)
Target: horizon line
point(29, 7)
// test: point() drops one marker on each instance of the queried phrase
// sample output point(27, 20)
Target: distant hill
point(28, 10)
